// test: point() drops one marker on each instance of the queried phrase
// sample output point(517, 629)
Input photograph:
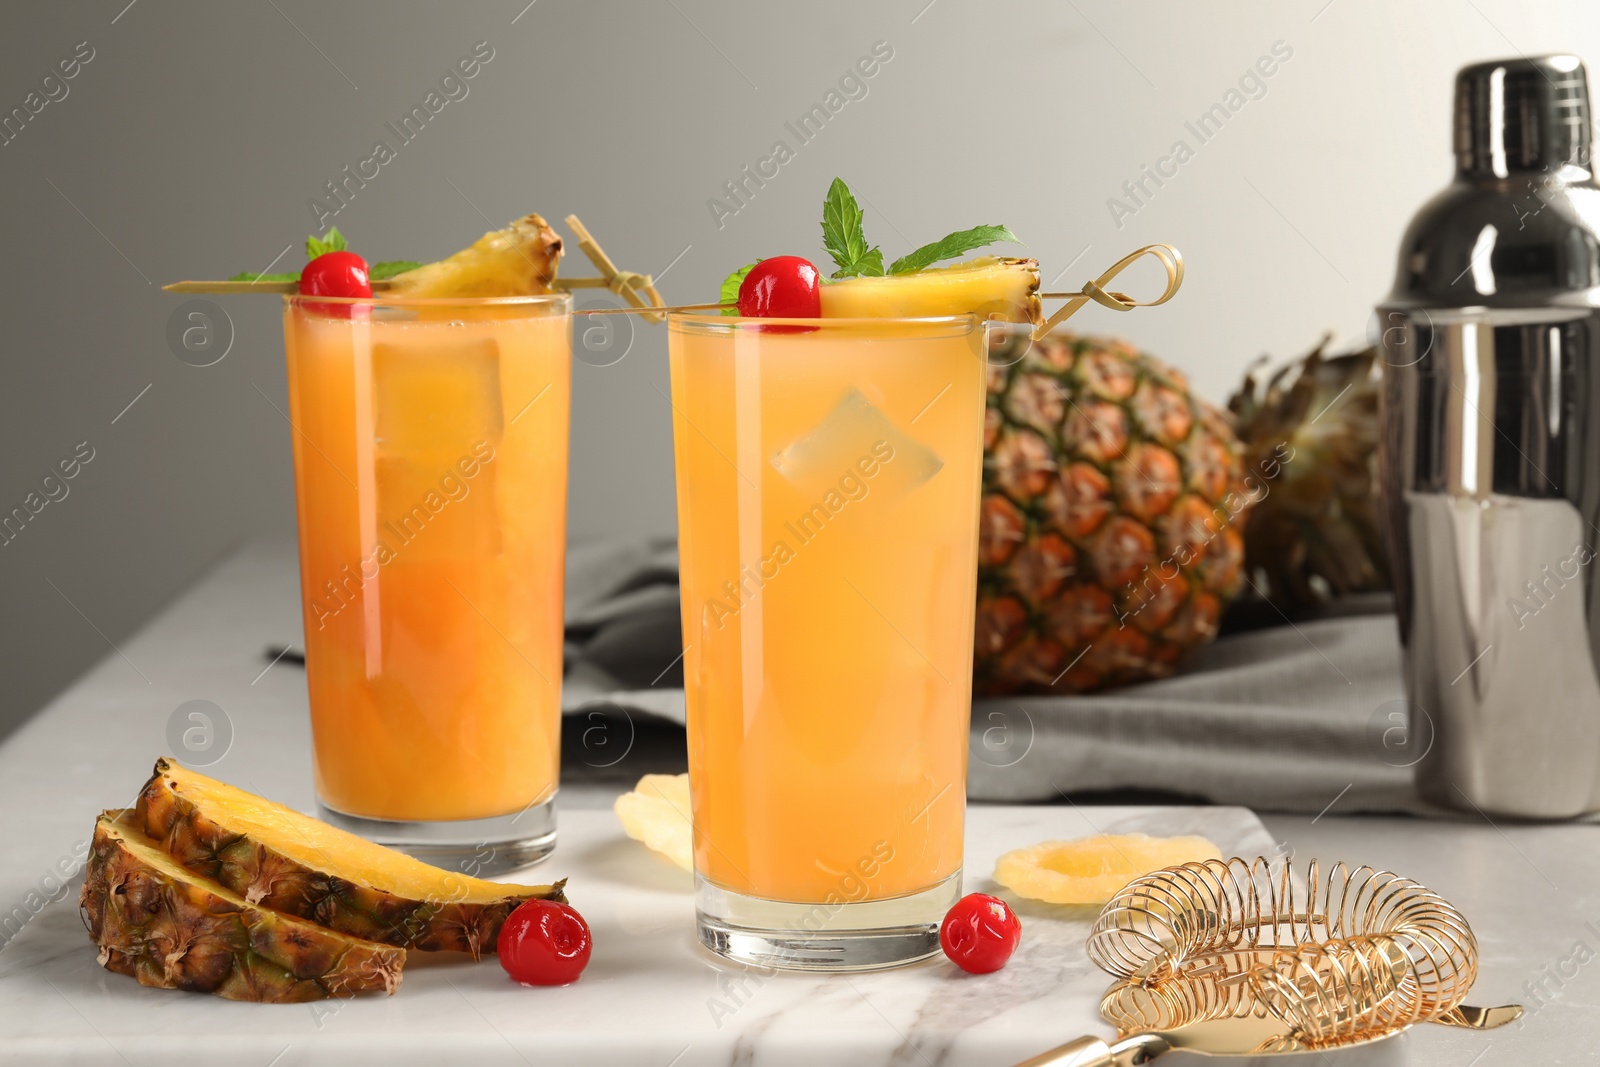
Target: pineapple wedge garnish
point(277, 857)
point(520, 260)
point(989, 287)
point(171, 928)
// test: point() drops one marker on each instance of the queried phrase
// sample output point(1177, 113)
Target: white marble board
point(650, 997)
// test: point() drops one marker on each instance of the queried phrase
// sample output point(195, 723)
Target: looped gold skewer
point(639, 290)
point(1171, 261)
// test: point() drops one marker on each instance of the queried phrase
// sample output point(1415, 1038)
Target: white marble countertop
point(650, 997)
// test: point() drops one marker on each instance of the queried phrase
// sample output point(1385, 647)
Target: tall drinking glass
point(430, 454)
point(828, 477)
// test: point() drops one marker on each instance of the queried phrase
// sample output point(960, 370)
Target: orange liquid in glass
point(430, 481)
point(828, 487)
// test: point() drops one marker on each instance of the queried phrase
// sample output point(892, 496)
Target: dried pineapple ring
point(1090, 870)
point(657, 813)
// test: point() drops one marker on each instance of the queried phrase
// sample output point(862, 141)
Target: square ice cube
point(437, 403)
point(857, 439)
point(436, 396)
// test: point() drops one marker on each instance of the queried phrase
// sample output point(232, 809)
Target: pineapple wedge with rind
point(275, 856)
point(520, 260)
point(1090, 870)
point(989, 287)
point(168, 927)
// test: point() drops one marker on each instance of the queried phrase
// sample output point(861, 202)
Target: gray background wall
point(189, 145)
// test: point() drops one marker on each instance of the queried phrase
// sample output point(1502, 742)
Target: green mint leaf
point(956, 244)
point(390, 267)
point(730, 287)
point(252, 276)
point(843, 235)
point(332, 242)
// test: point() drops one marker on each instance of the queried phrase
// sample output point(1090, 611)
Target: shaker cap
point(1524, 114)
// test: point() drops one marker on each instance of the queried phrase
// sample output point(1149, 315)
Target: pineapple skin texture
point(262, 875)
point(175, 933)
point(1111, 530)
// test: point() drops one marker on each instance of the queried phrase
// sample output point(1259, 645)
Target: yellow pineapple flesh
point(171, 928)
point(273, 855)
point(1090, 870)
point(520, 260)
point(656, 813)
point(989, 287)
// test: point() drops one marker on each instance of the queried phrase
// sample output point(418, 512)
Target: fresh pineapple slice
point(275, 856)
point(520, 260)
point(1090, 870)
point(169, 927)
point(990, 287)
point(657, 813)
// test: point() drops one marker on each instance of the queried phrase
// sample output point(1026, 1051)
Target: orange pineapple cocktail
point(430, 446)
point(828, 481)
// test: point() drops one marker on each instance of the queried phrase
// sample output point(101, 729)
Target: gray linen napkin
point(1294, 718)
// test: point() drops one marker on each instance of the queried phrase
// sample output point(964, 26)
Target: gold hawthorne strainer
point(1237, 957)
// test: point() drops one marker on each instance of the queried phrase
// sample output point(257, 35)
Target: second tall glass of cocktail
point(430, 447)
point(828, 478)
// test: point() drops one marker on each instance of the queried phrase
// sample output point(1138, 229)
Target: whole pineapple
point(1317, 532)
point(1111, 529)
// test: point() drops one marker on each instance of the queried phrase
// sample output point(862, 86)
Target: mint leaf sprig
point(388, 268)
point(844, 237)
point(332, 241)
point(252, 276)
point(318, 246)
point(730, 288)
point(951, 246)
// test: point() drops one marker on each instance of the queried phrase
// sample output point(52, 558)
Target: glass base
point(867, 936)
point(479, 848)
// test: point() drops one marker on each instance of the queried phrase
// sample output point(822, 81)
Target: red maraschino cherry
point(544, 943)
point(980, 933)
point(783, 287)
point(336, 274)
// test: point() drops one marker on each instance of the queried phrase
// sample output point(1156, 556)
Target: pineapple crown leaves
point(332, 241)
point(844, 237)
point(1266, 411)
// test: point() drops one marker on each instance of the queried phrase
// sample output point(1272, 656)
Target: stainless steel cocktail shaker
point(1491, 450)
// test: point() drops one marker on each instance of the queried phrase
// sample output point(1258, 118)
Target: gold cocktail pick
point(1171, 261)
point(639, 290)
point(1170, 258)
